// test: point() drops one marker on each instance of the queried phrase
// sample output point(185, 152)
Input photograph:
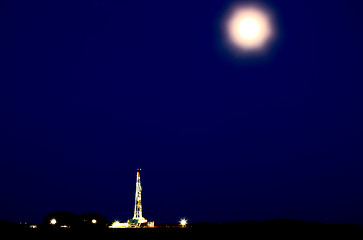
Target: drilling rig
point(137, 220)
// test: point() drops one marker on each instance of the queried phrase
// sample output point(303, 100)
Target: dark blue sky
point(92, 90)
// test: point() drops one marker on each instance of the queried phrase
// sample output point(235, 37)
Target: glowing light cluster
point(117, 224)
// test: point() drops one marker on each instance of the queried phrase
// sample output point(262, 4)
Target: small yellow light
point(94, 221)
point(53, 221)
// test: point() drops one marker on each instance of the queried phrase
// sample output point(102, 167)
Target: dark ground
point(282, 228)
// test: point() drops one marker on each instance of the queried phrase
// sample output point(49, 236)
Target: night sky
point(92, 90)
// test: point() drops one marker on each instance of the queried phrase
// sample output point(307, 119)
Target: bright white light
point(94, 221)
point(249, 28)
point(183, 222)
point(53, 221)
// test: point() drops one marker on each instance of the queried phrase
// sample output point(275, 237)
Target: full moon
point(249, 27)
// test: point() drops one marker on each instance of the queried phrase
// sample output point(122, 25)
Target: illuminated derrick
point(138, 205)
point(137, 219)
